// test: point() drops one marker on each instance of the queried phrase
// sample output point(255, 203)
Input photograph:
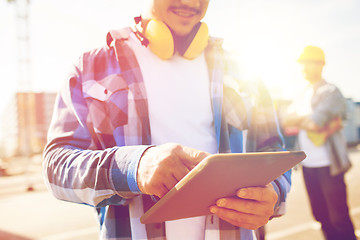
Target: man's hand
point(161, 167)
point(251, 209)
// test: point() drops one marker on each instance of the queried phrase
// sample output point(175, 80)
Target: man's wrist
point(137, 169)
point(133, 169)
point(278, 192)
point(123, 171)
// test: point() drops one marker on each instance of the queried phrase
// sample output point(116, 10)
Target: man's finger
point(170, 182)
point(191, 157)
point(159, 190)
point(245, 206)
point(261, 194)
point(180, 172)
point(239, 219)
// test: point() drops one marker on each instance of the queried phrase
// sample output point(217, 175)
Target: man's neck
point(315, 81)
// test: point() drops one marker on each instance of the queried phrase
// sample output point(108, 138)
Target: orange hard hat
point(312, 53)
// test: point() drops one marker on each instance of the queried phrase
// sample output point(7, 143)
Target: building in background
point(352, 124)
point(24, 123)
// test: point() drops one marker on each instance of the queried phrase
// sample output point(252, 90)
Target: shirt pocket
point(107, 100)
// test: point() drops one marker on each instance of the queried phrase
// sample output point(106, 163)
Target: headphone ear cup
point(161, 41)
point(198, 43)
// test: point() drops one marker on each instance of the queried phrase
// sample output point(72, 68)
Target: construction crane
point(24, 95)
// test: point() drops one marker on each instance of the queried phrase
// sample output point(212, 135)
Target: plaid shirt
point(100, 129)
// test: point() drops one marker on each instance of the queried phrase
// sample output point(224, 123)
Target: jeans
point(328, 199)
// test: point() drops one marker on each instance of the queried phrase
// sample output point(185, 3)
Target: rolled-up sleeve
point(330, 104)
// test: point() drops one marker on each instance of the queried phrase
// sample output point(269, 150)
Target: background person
point(137, 115)
point(318, 112)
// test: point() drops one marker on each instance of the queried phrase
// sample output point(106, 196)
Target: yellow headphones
point(161, 41)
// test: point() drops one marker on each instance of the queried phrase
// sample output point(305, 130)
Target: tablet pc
point(217, 176)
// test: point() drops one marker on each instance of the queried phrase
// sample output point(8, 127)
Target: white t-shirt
point(180, 111)
point(316, 156)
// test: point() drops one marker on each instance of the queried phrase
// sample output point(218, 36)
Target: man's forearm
point(292, 120)
point(96, 178)
point(304, 122)
point(309, 125)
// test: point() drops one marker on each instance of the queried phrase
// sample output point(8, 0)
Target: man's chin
point(183, 31)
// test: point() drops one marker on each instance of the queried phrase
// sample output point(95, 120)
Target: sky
point(266, 36)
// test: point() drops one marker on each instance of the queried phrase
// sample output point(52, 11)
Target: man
point(318, 112)
point(138, 114)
